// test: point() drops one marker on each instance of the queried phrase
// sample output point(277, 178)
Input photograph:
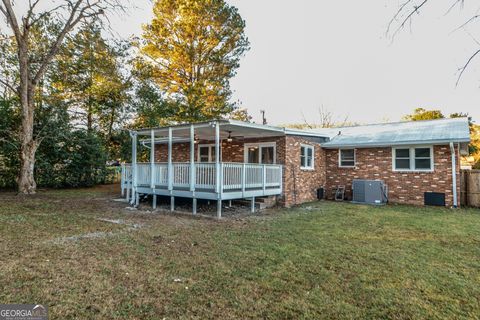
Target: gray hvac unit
point(369, 191)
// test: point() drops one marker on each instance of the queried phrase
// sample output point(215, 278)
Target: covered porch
point(204, 161)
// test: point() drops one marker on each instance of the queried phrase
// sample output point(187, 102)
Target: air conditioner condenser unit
point(370, 191)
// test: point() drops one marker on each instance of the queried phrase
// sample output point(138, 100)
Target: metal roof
point(398, 133)
point(237, 128)
point(373, 135)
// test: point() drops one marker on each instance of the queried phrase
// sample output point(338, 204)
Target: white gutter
point(454, 174)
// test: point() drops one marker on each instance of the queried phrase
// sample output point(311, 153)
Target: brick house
point(226, 160)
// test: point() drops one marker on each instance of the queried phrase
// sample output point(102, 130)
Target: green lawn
point(322, 260)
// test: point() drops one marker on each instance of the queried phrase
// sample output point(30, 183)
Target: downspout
point(454, 174)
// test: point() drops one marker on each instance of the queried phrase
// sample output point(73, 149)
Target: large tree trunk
point(28, 146)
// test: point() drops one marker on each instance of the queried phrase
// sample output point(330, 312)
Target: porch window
point(306, 157)
point(206, 153)
point(413, 159)
point(347, 158)
point(263, 153)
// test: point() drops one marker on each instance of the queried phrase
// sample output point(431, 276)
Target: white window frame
point(211, 152)
point(307, 146)
point(340, 158)
point(412, 159)
point(260, 145)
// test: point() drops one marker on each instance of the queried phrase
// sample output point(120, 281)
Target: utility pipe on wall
point(454, 174)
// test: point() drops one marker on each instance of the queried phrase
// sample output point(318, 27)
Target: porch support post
point(244, 173)
point(194, 206)
point(217, 156)
point(123, 180)
point(218, 184)
point(264, 178)
point(219, 208)
point(252, 205)
point(134, 166)
point(172, 203)
point(281, 179)
point(192, 158)
point(152, 168)
point(170, 167)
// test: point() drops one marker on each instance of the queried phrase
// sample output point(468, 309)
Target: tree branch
point(408, 17)
point(12, 19)
point(462, 70)
point(69, 24)
point(9, 86)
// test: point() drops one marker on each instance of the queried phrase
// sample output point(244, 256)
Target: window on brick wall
point(347, 158)
point(413, 159)
point(206, 153)
point(307, 157)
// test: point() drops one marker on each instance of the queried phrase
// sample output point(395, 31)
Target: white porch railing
point(233, 176)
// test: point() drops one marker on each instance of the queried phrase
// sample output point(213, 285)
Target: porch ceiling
point(206, 130)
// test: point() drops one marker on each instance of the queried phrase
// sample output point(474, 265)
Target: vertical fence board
point(470, 187)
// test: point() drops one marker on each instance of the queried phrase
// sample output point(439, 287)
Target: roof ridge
point(397, 122)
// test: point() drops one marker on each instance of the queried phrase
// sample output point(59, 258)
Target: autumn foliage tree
point(191, 50)
point(424, 114)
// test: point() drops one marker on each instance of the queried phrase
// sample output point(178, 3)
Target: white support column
point(172, 203)
point(281, 179)
point(134, 167)
point(152, 159)
point(194, 206)
point(192, 159)
point(252, 204)
point(264, 178)
point(244, 176)
point(217, 157)
point(170, 166)
point(152, 168)
point(123, 180)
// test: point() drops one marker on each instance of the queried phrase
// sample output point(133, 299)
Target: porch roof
point(206, 130)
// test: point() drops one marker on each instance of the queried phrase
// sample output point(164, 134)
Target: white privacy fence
point(233, 176)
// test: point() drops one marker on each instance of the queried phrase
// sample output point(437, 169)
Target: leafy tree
point(9, 121)
point(423, 114)
point(89, 77)
point(151, 107)
point(32, 65)
point(240, 114)
point(191, 50)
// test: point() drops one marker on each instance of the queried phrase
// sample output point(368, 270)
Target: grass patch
point(321, 260)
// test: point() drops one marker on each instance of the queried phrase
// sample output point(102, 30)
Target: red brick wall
point(230, 151)
point(300, 185)
point(404, 187)
point(374, 163)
